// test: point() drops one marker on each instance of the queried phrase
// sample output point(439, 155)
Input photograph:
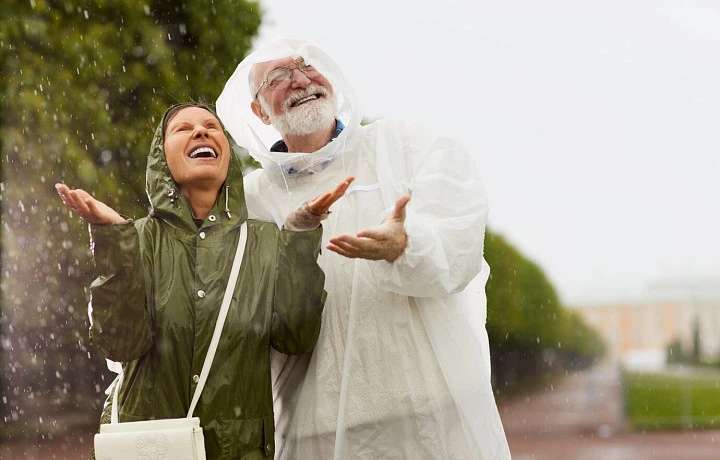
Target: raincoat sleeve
point(446, 216)
point(299, 293)
point(119, 322)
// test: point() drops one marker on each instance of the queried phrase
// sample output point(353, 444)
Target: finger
point(400, 204)
point(331, 197)
point(75, 199)
point(346, 247)
point(62, 189)
point(83, 210)
point(376, 234)
point(350, 240)
point(342, 188)
point(71, 200)
point(321, 204)
point(349, 250)
point(354, 253)
point(359, 247)
point(340, 251)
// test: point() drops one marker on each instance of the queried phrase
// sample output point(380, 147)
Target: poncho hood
point(168, 204)
point(233, 107)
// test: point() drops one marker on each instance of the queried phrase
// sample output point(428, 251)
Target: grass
point(661, 401)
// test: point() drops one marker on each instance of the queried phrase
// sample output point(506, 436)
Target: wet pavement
point(576, 417)
point(580, 417)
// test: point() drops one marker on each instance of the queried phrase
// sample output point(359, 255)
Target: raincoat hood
point(233, 107)
point(167, 203)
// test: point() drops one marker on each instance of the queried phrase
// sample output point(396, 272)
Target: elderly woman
point(161, 280)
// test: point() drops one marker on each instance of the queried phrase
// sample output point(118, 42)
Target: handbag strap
point(224, 307)
point(221, 318)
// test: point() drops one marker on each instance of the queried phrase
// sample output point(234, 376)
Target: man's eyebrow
point(289, 64)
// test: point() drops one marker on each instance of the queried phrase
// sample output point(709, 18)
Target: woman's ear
point(259, 112)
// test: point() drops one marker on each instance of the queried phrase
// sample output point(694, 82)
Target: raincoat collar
point(290, 168)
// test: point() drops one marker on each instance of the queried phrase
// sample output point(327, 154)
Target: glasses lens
point(278, 75)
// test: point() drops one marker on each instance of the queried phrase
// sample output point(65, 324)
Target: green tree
point(528, 328)
point(83, 85)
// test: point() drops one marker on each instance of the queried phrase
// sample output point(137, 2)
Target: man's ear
point(259, 112)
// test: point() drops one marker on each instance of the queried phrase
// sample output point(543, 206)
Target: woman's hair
point(172, 111)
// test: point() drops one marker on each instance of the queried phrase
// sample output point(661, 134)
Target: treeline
point(83, 84)
point(531, 334)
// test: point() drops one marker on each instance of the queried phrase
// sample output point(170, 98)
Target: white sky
point(596, 125)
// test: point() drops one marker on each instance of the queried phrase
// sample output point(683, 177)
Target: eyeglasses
point(281, 74)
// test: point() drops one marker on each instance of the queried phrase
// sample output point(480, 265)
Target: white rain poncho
point(402, 367)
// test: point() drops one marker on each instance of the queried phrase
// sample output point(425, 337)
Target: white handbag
point(175, 438)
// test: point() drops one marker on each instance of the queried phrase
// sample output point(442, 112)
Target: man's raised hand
point(385, 242)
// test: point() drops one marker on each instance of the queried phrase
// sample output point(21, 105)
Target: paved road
point(580, 417)
point(76, 446)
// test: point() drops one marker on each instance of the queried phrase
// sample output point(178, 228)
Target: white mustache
point(303, 93)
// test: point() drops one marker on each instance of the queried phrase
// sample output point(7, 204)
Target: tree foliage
point(526, 319)
point(83, 86)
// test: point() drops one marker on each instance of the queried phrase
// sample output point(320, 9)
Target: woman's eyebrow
point(184, 123)
point(178, 124)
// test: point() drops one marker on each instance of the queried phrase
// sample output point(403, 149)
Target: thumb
point(399, 211)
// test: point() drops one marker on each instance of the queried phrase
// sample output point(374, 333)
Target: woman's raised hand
point(88, 208)
point(311, 213)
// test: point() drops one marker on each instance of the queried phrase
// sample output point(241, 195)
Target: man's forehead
point(275, 63)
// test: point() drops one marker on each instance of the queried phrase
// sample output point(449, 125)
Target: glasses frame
point(297, 65)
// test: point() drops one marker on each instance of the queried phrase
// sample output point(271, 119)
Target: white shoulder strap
point(221, 318)
point(224, 307)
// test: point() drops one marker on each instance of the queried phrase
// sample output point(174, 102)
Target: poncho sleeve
point(299, 294)
point(446, 216)
point(119, 322)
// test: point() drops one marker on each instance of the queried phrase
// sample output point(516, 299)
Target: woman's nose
point(200, 131)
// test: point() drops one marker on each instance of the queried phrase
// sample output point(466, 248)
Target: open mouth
point(309, 98)
point(203, 152)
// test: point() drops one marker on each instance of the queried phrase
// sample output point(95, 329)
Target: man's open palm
point(385, 242)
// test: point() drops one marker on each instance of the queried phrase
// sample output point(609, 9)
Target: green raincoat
point(155, 301)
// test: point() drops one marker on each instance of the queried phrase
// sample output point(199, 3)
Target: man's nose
point(299, 79)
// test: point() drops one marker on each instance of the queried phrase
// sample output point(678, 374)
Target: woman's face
point(196, 149)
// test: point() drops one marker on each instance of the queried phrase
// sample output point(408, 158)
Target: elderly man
point(401, 368)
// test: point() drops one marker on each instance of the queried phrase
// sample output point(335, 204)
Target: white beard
point(307, 118)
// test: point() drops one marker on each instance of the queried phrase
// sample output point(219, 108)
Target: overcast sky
point(595, 125)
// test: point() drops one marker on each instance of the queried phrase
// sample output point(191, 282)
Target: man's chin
point(304, 122)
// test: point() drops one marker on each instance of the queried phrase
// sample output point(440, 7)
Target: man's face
point(196, 149)
point(300, 104)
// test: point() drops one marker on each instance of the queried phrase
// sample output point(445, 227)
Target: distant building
point(644, 328)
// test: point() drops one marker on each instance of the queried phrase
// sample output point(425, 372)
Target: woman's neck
point(201, 201)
